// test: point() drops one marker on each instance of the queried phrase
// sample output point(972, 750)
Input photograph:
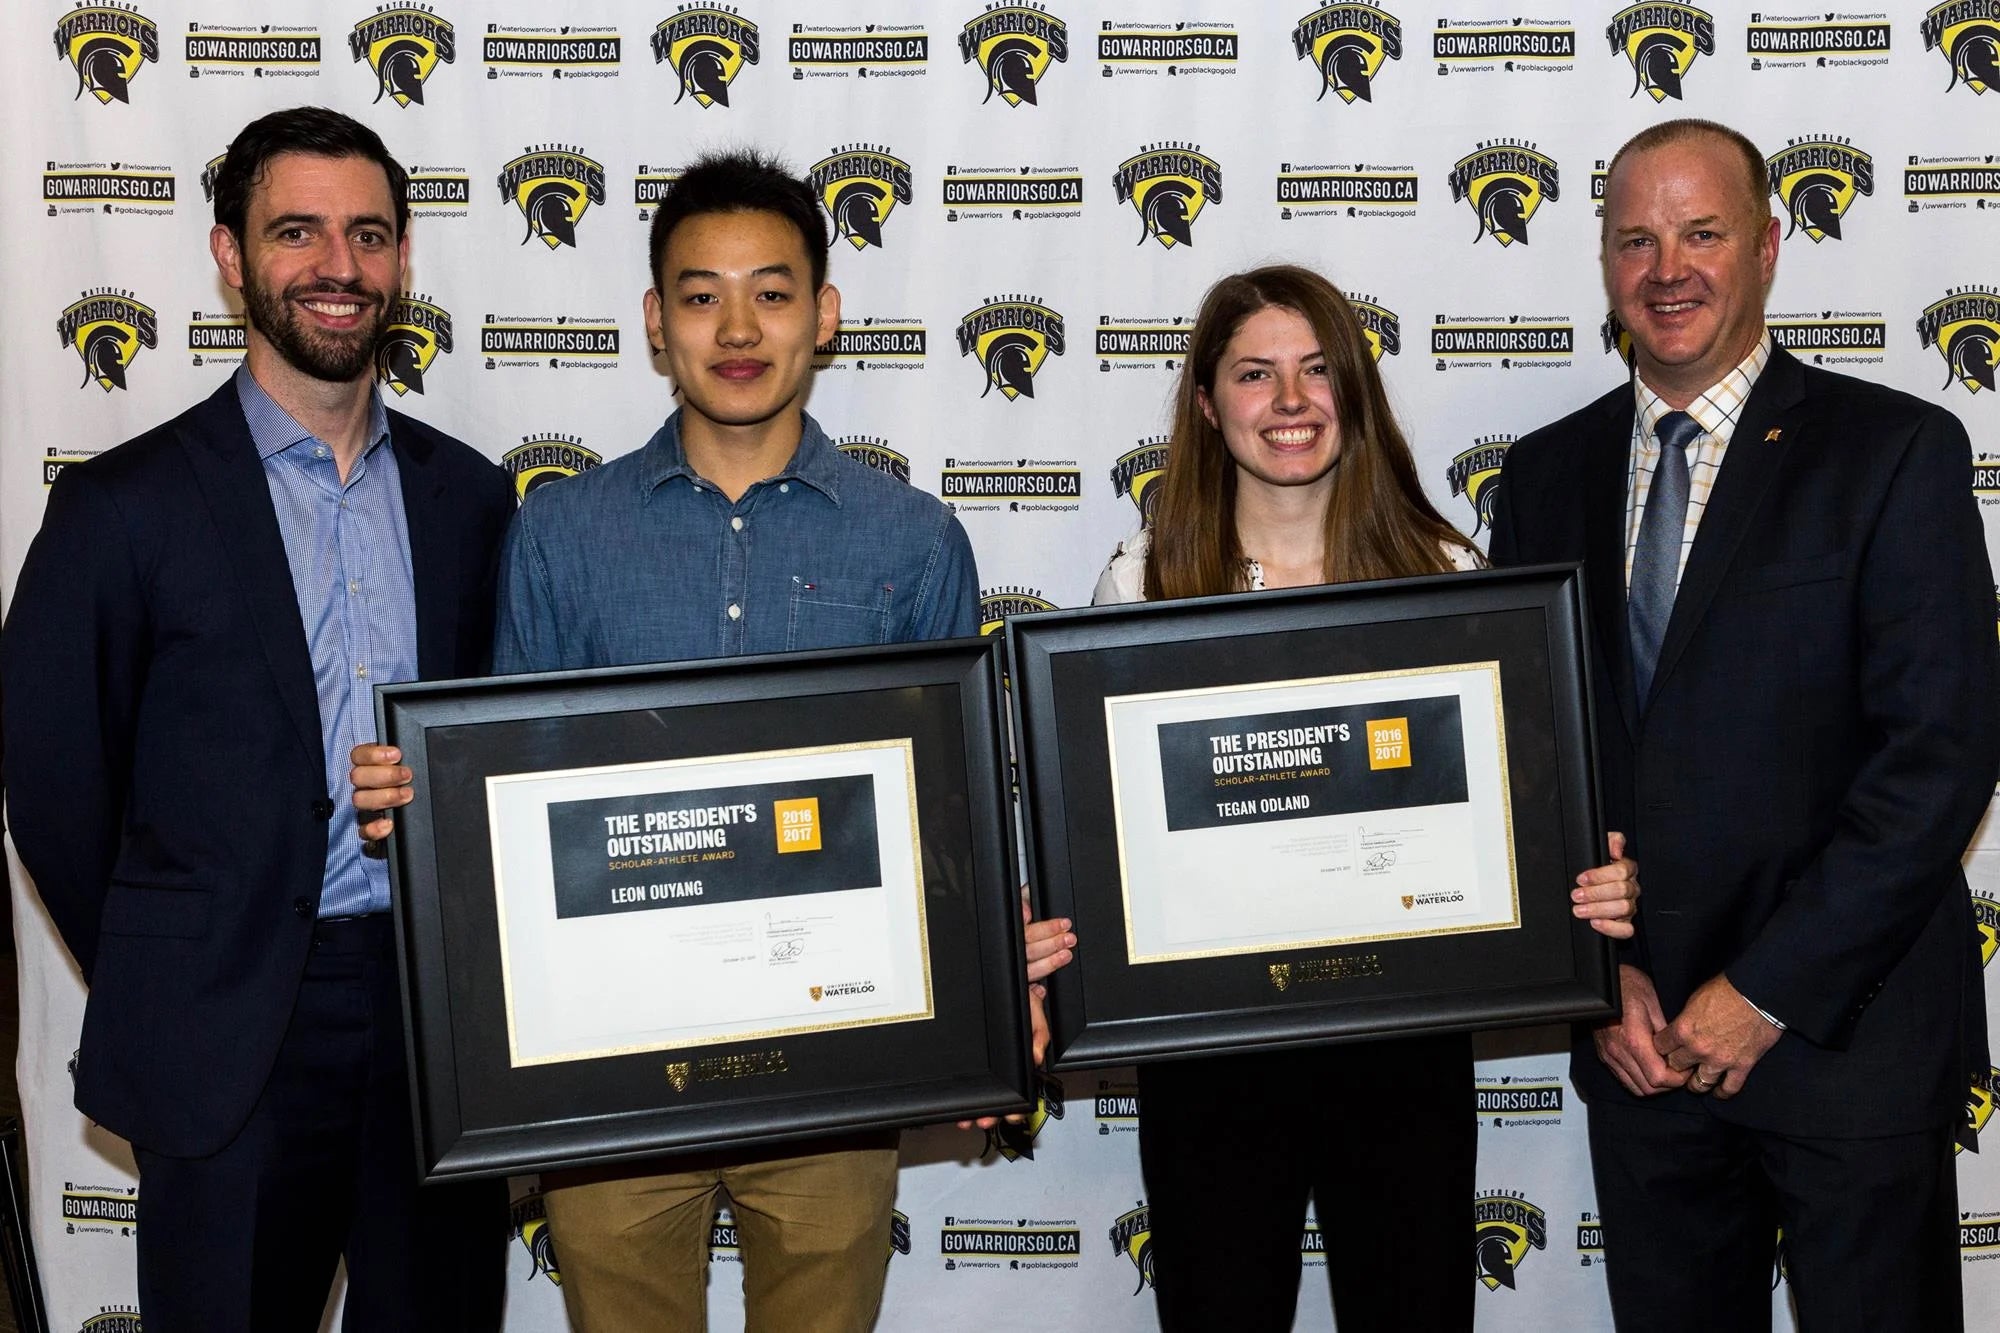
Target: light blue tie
point(1656, 563)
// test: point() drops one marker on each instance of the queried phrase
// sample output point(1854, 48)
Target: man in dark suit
point(190, 655)
point(1799, 720)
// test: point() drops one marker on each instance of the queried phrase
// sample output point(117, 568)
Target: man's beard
point(335, 357)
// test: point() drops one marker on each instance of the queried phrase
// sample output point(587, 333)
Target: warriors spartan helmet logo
point(707, 48)
point(1011, 336)
point(416, 333)
point(531, 1223)
point(541, 459)
point(1965, 328)
point(1505, 1228)
point(403, 45)
point(107, 47)
point(994, 608)
point(1013, 46)
point(1967, 33)
point(1014, 1142)
point(1169, 185)
point(1347, 43)
point(1617, 338)
point(1132, 1236)
point(858, 186)
point(552, 186)
point(1475, 474)
point(1382, 327)
point(1661, 41)
point(1986, 913)
point(1505, 183)
point(107, 328)
point(1979, 1099)
point(1136, 473)
point(1816, 180)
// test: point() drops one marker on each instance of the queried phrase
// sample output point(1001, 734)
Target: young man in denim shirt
point(738, 528)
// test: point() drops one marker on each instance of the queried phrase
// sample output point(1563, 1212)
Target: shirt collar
point(815, 462)
point(1715, 408)
point(274, 430)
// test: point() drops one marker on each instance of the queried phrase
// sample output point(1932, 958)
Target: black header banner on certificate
point(1305, 764)
point(713, 845)
point(701, 905)
point(1312, 815)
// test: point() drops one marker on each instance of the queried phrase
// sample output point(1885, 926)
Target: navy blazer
point(1822, 738)
point(164, 770)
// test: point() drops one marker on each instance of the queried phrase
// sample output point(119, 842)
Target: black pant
point(1692, 1206)
point(246, 1241)
point(1381, 1134)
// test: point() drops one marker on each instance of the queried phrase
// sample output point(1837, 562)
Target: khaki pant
point(814, 1231)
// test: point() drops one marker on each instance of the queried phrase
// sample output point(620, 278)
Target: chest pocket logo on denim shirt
point(838, 613)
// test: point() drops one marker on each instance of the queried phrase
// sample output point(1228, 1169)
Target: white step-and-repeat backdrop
point(1013, 155)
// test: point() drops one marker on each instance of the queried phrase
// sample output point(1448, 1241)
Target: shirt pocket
point(838, 613)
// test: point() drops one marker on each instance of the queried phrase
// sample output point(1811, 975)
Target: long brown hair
point(1379, 523)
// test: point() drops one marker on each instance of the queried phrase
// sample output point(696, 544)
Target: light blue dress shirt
point(349, 551)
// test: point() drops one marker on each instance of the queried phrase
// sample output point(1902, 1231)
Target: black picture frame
point(1104, 1010)
point(477, 1114)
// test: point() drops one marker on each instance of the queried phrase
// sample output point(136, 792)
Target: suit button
point(303, 906)
point(323, 808)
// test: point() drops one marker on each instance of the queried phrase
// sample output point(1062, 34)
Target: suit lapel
point(1607, 449)
point(431, 568)
point(231, 478)
point(1748, 469)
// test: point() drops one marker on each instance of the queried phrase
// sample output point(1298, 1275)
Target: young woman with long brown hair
point(1287, 468)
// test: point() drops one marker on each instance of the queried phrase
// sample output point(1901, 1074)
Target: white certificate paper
point(687, 902)
point(1303, 813)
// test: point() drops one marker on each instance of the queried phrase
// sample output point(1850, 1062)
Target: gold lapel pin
point(1773, 435)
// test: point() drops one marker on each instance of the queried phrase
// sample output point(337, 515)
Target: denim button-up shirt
point(641, 560)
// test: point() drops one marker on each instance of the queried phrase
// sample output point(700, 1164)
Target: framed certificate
point(1314, 815)
point(660, 909)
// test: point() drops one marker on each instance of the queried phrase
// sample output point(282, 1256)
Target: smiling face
point(1273, 402)
point(1689, 253)
point(318, 264)
point(737, 319)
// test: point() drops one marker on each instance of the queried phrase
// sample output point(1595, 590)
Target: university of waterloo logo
point(1505, 1228)
point(1381, 326)
point(530, 1221)
point(1137, 472)
point(876, 453)
point(552, 185)
point(208, 175)
point(1475, 474)
point(859, 186)
point(1965, 328)
point(1979, 1099)
point(995, 605)
point(1169, 184)
point(1506, 182)
point(707, 46)
point(1347, 44)
point(1817, 181)
point(540, 459)
point(403, 44)
point(417, 332)
point(1617, 338)
point(1661, 41)
point(1014, 1142)
point(1132, 1236)
point(1014, 45)
point(1967, 34)
point(1011, 336)
point(107, 45)
point(107, 327)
